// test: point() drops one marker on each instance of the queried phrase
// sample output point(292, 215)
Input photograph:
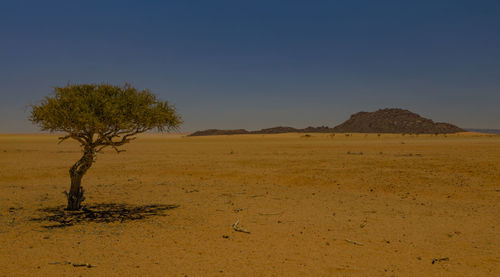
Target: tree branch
point(73, 136)
point(107, 140)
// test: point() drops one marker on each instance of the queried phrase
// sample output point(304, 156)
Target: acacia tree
point(100, 116)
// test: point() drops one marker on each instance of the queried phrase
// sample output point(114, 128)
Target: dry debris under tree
point(100, 213)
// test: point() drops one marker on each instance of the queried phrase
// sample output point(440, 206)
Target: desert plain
point(315, 205)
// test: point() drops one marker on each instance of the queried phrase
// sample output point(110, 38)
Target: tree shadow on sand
point(100, 213)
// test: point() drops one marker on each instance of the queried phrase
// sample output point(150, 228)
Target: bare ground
point(318, 205)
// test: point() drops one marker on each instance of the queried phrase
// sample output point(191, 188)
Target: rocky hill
point(274, 130)
point(381, 121)
point(215, 132)
point(393, 121)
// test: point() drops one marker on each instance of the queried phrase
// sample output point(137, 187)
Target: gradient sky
point(256, 64)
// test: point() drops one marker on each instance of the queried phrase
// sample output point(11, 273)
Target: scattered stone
point(436, 260)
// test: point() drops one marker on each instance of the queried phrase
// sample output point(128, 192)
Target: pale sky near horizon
point(259, 64)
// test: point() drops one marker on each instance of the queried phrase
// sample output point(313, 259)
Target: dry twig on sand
point(73, 264)
point(83, 265)
point(354, 242)
point(239, 229)
point(56, 263)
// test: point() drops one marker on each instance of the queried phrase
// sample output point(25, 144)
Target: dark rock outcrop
point(393, 121)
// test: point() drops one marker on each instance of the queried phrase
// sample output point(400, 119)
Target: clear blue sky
point(256, 64)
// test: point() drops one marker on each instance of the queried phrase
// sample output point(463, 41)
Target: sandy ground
point(359, 205)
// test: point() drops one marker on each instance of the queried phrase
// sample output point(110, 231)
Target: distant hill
point(394, 121)
point(381, 121)
point(214, 132)
point(274, 130)
point(486, 131)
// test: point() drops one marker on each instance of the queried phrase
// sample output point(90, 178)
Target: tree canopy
point(98, 114)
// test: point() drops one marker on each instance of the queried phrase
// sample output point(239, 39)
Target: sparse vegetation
point(100, 116)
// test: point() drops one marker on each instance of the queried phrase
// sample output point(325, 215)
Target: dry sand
point(358, 205)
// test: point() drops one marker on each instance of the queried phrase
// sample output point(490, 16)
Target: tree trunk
point(75, 195)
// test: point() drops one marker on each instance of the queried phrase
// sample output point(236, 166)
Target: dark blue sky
point(256, 64)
